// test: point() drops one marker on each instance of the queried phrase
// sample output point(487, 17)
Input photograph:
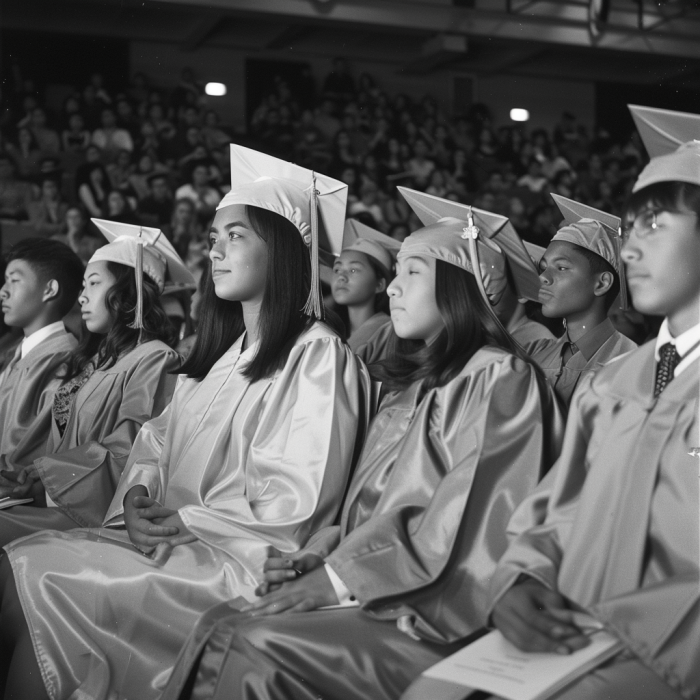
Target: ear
point(51, 291)
point(604, 283)
point(381, 286)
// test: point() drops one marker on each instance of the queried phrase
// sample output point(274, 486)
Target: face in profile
point(355, 282)
point(414, 310)
point(661, 262)
point(21, 295)
point(567, 283)
point(238, 256)
point(97, 281)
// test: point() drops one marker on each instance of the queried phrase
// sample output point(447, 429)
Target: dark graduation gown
point(422, 528)
point(600, 345)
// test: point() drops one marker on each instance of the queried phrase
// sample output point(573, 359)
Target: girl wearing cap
point(624, 505)
point(254, 450)
point(118, 378)
point(463, 435)
point(361, 275)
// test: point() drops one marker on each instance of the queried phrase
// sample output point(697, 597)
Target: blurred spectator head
point(159, 187)
point(75, 220)
point(26, 140)
point(420, 148)
point(38, 119)
point(108, 119)
point(124, 109)
point(76, 122)
point(199, 174)
point(117, 205)
point(50, 191)
point(93, 154)
point(193, 136)
point(7, 167)
point(190, 116)
point(399, 231)
point(71, 105)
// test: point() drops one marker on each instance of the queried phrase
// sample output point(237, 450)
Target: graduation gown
point(528, 331)
point(422, 528)
point(81, 469)
point(620, 535)
point(369, 341)
point(27, 387)
point(245, 465)
point(600, 345)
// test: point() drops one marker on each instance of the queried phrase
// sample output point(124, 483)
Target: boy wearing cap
point(580, 280)
point(42, 282)
point(620, 536)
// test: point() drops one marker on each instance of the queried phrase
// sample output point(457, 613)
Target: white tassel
point(314, 305)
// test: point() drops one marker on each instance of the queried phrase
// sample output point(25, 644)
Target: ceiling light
point(519, 115)
point(215, 89)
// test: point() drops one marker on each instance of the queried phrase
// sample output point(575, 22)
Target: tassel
point(624, 295)
point(471, 232)
point(138, 311)
point(314, 305)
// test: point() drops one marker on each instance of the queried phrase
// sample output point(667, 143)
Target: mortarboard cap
point(364, 239)
point(446, 237)
point(671, 141)
point(594, 230)
point(314, 203)
point(663, 130)
point(149, 252)
point(536, 252)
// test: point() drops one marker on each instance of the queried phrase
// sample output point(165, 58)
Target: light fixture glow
point(215, 89)
point(519, 115)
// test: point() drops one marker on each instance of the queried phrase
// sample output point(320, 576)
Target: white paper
point(8, 502)
point(496, 666)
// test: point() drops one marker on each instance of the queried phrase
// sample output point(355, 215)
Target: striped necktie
point(668, 361)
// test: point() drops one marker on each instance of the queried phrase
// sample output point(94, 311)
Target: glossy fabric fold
point(422, 527)
point(81, 469)
point(245, 465)
point(620, 535)
point(26, 393)
point(370, 339)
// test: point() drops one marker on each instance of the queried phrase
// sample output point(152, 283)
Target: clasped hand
point(150, 524)
point(537, 619)
point(25, 483)
point(292, 584)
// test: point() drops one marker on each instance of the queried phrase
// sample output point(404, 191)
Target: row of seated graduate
point(187, 521)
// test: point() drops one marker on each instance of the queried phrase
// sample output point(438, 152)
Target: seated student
point(620, 537)
point(255, 449)
point(580, 276)
point(464, 434)
point(361, 274)
point(42, 282)
point(119, 377)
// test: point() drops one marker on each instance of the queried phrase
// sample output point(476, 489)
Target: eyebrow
point(416, 258)
point(557, 259)
point(349, 262)
point(92, 274)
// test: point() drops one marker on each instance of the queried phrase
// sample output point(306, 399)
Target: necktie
point(668, 360)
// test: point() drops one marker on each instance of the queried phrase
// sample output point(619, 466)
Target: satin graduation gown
point(27, 387)
point(422, 529)
point(81, 469)
point(600, 345)
point(620, 534)
point(528, 331)
point(368, 342)
point(245, 465)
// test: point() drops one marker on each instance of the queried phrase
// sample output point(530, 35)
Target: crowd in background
point(159, 157)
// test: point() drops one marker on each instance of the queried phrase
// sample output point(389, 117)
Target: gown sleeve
point(82, 480)
point(476, 448)
point(299, 459)
point(544, 519)
point(143, 466)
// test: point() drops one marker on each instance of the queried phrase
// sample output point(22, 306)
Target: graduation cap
point(450, 229)
point(536, 252)
point(596, 231)
point(671, 139)
point(381, 248)
point(314, 203)
point(149, 252)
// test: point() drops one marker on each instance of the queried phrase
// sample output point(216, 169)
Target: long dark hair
point(120, 339)
point(282, 319)
point(469, 326)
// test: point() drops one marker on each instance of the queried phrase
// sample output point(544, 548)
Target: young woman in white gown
point(254, 450)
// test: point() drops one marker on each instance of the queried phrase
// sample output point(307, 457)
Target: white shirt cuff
point(345, 598)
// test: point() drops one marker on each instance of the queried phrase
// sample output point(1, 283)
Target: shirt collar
point(589, 344)
point(31, 341)
point(684, 343)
